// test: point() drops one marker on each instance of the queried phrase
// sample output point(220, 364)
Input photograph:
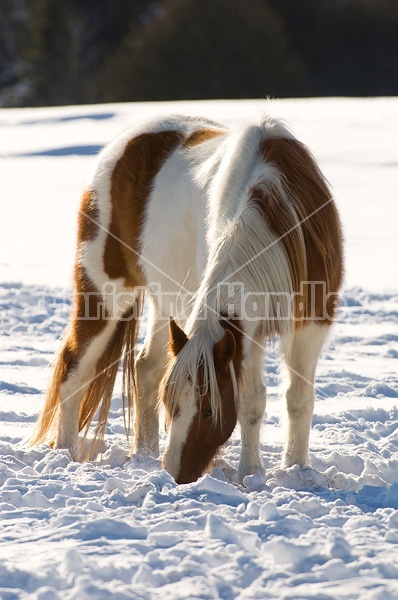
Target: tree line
point(83, 51)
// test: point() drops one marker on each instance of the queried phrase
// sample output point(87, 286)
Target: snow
point(122, 528)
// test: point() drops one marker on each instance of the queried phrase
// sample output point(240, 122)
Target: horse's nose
point(181, 478)
point(170, 464)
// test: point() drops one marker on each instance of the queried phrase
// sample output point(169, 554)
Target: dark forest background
point(85, 51)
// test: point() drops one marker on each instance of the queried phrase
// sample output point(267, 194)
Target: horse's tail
point(45, 425)
point(98, 395)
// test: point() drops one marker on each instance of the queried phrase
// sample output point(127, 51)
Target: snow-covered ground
point(122, 528)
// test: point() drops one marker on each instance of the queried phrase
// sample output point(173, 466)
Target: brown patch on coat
point(202, 135)
point(88, 307)
point(131, 185)
point(87, 320)
point(88, 216)
point(207, 434)
point(314, 248)
point(235, 327)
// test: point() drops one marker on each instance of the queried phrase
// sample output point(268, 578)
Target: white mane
point(243, 250)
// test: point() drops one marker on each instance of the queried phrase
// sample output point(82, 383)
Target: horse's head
point(201, 410)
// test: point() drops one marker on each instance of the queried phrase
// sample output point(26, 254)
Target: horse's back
point(164, 190)
point(140, 218)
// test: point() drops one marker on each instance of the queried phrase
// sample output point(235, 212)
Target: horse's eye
point(207, 414)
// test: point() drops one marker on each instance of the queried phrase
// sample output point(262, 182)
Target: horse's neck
point(218, 295)
point(237, 240)
point(233, 171)
point(247, 278)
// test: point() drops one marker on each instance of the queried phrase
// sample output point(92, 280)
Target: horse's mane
point(232, 258)
point(194, 366)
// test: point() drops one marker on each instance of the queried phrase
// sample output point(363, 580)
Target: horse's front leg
point(250, 415)
point(301, 363)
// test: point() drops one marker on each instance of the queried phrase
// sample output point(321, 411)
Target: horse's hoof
point(254, 470)
point(290, 461)
point(73, 450)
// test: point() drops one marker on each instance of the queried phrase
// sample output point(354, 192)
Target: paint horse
point(235, 235)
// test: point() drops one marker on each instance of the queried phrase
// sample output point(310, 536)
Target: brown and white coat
point(222, 231)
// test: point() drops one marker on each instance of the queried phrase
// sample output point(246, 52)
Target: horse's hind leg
point(80, 354)
point(87, 337)
point(301, 362)
point(150, 367)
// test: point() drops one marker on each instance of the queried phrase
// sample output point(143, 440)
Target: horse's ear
point(224, 350)
point(178, 339)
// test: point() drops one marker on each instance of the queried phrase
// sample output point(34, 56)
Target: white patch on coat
point(173, 185)
point(179, 429)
